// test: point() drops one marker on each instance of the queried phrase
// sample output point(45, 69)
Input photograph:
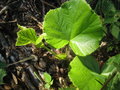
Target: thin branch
point(47, 4)
point(23, 60)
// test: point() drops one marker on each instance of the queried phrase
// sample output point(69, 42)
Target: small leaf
point(76, 24)
point(51, 82)
point(115, 30)
point(40, 38)
point(62, 56)
point(26, 36)
point(111, 64)
point(21, 27)
point(2, 74)
point(47, 77)
point(82, 77)
point(108, 8)
point(2, 65)
point(47, 86)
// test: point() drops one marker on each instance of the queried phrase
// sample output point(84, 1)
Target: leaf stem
point(51, 52)
point(23, 60)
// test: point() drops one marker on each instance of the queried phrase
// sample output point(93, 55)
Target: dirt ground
point(20, 76)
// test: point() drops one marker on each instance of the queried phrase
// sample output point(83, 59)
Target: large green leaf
point(76, 24)
point(82, 77)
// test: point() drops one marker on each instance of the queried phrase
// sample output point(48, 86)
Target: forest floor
point(20, 76)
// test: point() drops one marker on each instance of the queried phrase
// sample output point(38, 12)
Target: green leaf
point(47, 85)
point(2, 71)
point(40, 38)
point(2, 74)
point(111, 64)
point(26, 36)
point(51, 82)
point(47, 77)
point(74, 23)
point(115, 30)
point(2, 64)
point(69, 88)
point(116, 82)
point(108, 8)
point(82, 77)
point(63, 56)
point(91, 63)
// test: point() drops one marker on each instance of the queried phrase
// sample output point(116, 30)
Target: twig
point(43, 8)
point(3, 9)
point(48, 4)
point(39, 23)
point(23, 60)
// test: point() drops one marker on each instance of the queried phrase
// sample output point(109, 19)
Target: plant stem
point(23, 60)
point(109, 79)
point(51, 51)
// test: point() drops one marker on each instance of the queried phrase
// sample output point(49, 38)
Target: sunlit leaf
point(84, 78)
point(76, 24)
point(26, 36)
point(47, 78)
point(62, 56)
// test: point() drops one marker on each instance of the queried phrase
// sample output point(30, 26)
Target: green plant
point(2, 72)
point(74, 24)
point(48, 80)
point(111, 17)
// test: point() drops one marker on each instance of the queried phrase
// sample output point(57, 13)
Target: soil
point(21, 75)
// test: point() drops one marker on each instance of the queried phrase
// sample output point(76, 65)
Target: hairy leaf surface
point(74, 23)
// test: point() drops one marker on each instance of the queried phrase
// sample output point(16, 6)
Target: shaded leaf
point(91, 63)
point(2, 74)
point(115, 30)
point(111, 64)
point(2, 65)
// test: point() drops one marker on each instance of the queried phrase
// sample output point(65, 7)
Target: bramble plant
point(75, 24)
